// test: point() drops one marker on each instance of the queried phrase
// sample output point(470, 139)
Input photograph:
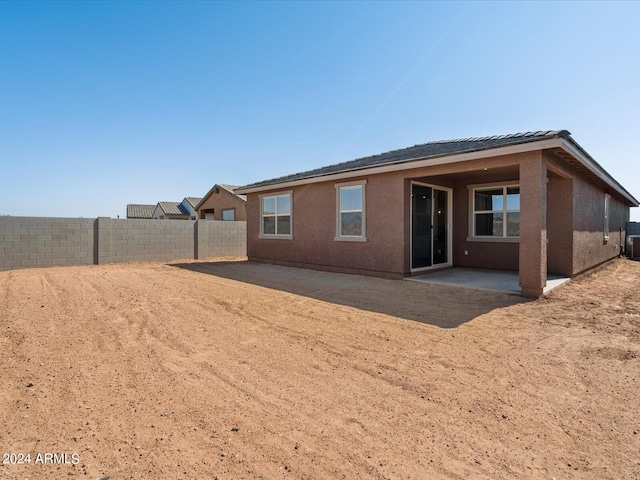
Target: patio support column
point(533, 225)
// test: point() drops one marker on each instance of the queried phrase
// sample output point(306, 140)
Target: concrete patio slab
point(484, 279)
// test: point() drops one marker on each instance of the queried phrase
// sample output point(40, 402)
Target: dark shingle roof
point(426, 150)
point(571, 152)
point(135, 210)
point(173, 208)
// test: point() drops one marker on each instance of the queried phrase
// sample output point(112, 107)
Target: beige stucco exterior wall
point(589, 245)
point(560, 225)
point(222, 201)
point(533, 225)
point(314, 230)
point(480, 254)
point(501, 255)
point(388, 199)
point(561, 221)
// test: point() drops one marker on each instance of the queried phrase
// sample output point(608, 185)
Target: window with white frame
point(496, 211)
point(276, 215)
point(351, 211)
point(607, 203)
point(229, 214)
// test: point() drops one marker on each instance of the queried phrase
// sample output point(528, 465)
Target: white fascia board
point(413, 163)
point(597, 170)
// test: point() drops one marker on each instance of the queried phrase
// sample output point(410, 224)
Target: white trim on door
point(449, 227)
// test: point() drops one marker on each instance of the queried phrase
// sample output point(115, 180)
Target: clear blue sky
point(108, 103)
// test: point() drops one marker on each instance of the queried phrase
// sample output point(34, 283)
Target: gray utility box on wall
point(633, 247)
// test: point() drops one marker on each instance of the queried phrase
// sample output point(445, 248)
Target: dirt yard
point(234, 370)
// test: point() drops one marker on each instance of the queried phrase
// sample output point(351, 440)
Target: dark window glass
point(489, 199)
point(351, 224)
point(513, 224)
point(502, 207)
point(489, 224)
point(269, 225)
point(284, 225)
point(276, 215)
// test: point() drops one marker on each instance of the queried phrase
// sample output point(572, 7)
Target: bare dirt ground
point(235, 370)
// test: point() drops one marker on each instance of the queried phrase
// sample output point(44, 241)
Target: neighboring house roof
point(228, 188)
point(193, 201)
point(135, 210)
point(173, 208)
point(232, 190)
point(402, 158)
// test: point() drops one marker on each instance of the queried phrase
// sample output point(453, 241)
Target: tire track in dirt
point(189, 368)
point(260, 393)
point(348, 422)
point(272, 327)
point(148, 368)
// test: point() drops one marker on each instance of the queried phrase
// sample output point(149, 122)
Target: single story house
point(171, 211)
point(189, 204)
point(532, 202)
point(184, 210)
point(222, 203)
point(136, 210)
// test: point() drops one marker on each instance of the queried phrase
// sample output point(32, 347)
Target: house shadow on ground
point(437, 305)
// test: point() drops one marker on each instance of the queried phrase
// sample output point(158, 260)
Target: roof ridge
point(393, 156)
point(456, 140)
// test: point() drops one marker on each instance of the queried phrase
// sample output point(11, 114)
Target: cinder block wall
point(220, 239)
point(45, 242)
point(134, 240)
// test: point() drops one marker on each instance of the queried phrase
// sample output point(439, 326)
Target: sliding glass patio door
point(430, 220)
